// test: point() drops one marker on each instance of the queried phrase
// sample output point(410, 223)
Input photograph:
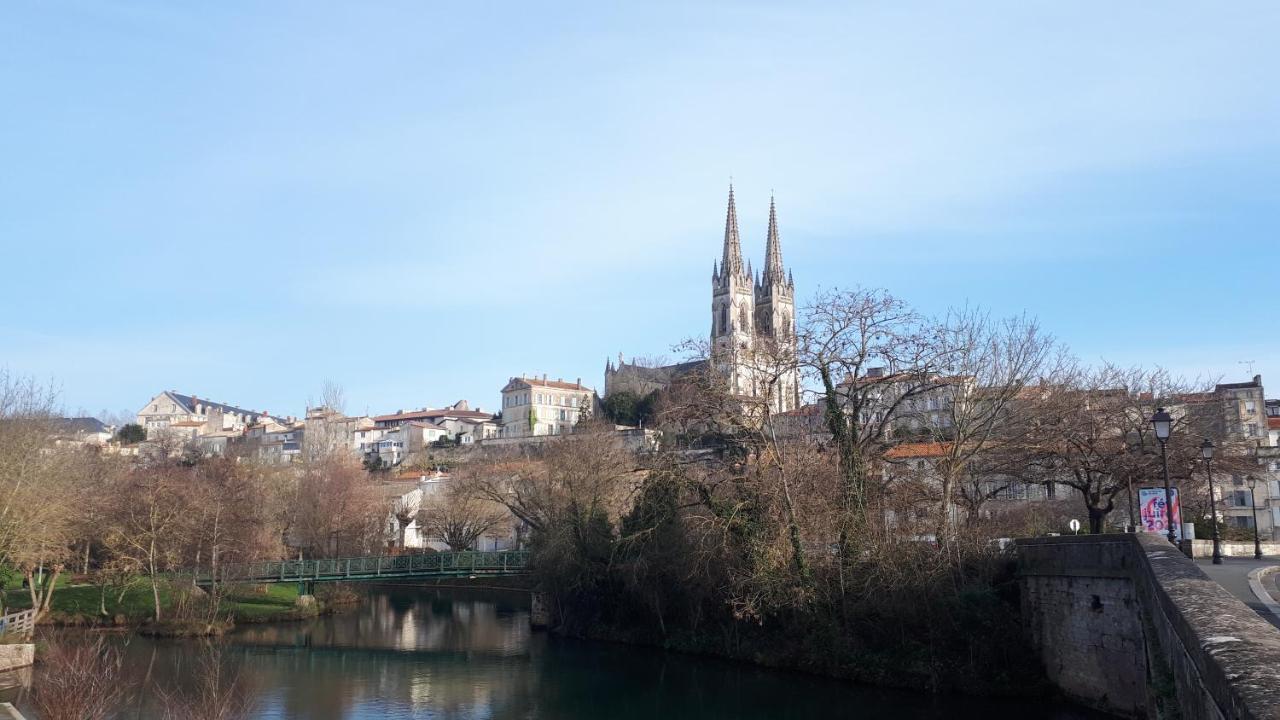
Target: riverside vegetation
point(92, 538)
point(803, 539)
point(808, 539)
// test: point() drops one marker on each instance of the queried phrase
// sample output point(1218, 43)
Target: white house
point(538, 406)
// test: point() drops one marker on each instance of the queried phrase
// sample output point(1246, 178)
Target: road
point(1233, 574)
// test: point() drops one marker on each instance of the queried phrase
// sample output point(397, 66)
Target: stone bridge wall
point(1129, 625)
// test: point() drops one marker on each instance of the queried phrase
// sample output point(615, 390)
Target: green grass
point(278, 601)
point(82, 601)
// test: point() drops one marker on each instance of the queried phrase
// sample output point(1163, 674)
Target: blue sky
point(420, 200)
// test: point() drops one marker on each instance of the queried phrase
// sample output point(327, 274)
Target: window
point(724, 319)
point(1240, 498)
point(1242, 521)
point(1251, 429)
point(1250, 406)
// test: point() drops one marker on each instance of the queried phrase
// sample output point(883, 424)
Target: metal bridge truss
point(424, 565)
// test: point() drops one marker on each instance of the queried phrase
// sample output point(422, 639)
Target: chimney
point(544, 377)
point(578, 382)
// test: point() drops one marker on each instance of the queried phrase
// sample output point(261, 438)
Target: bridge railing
point(363, 568)
point(20, 623)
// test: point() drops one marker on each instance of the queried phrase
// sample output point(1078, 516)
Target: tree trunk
point(1096, 518)
point(50, 585)
point(155, 586)
point(31, 588)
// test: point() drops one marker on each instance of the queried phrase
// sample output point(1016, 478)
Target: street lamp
point(1163, 423)
point(1253, 500)
point(1206, 452)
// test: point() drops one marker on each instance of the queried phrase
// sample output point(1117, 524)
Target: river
point(469, 654)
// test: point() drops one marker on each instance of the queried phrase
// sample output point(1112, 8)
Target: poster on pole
point(1154, 516)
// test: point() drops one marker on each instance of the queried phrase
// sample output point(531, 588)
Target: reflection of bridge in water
point(466, 564)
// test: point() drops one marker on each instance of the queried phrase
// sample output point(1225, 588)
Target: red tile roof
point(557, 384)
point(1273, 423)
point(918, 450)
point(437, 413)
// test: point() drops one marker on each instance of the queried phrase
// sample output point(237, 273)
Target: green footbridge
point(364, 569)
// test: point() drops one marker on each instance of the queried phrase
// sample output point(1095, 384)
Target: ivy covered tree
point(131, 434)
point(628, 408)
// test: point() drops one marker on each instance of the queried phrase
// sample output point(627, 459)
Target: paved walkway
point(1233, 574)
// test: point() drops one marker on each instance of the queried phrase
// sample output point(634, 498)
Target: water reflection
point(458, 654)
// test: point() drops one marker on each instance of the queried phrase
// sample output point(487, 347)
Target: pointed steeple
point(731, 264)
point(773, 272)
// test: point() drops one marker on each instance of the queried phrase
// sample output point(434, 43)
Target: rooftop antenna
point(1249, 363)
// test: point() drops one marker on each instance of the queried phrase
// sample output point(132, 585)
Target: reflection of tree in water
point(402, 653)
point(421, 620)
point(419, 654)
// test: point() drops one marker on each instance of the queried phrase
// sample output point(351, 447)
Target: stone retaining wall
point(1129, 625)
point(1204, 549)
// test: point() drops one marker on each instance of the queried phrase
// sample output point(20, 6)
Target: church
point(753, 326)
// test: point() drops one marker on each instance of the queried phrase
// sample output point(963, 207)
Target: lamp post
point(1253, 501)
point(1163, 423)
point(1206, 452)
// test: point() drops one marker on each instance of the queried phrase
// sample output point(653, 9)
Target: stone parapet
point(1128, 624)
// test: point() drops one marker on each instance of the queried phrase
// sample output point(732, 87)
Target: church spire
point(773, 272)
point(731, 265)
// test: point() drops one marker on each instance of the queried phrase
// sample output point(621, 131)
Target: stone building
point(753, 326)
point(538, 406)
point(82, 431)
point(462, 424)
point(191, 416)
point(1239, 413)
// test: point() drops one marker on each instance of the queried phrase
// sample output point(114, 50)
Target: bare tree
point(1092, 432)
point(326, 434)
point(985, 365)
point(336, 510)
point(230, 518)
point(78, 680)
point(218, 690)
point(587, 472)
point(871, 354)
point(37, 489)
point(459, 518)
point(147, 519)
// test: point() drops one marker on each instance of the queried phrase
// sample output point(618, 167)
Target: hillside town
point(913, 417)
point(418, 399)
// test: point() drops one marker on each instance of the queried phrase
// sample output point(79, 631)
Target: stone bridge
point(1129, 625)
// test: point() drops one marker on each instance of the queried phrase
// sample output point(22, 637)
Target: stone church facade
point(753, 325)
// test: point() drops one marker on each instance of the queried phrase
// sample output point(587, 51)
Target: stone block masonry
point(1129, 625)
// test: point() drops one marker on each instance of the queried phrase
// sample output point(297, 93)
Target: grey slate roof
point(189, 404)
point(83, 425)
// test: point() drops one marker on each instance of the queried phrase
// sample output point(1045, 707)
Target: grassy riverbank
point(80, 605)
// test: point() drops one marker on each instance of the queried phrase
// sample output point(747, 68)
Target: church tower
point(733, 310)
point(776, 317)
